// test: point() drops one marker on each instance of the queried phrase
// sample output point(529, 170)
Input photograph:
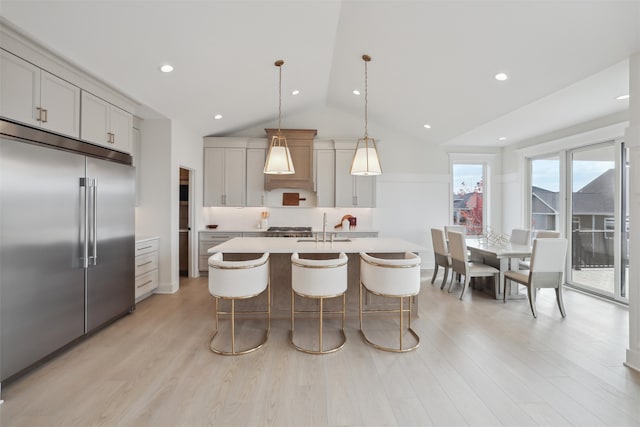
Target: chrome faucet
point(324, 227)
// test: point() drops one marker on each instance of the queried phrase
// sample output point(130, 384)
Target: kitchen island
point(281, 248)
point(308, 245)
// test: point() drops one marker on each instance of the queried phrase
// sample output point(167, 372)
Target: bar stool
point(318, 279)
point(235, 280)
point(393, 278)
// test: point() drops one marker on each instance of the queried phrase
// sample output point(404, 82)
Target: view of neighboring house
point(467, 209)
point(592, 219)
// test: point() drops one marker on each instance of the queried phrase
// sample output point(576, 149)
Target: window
point(545, 193)
point(469, 197)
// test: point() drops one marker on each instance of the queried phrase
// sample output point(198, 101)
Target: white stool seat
point(238, 280)
point(395, 278)
point(318, 279)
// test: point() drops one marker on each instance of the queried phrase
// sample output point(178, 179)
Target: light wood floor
point(480, 363)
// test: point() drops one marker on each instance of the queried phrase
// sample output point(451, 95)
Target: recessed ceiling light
point(356, 92)
point(427, 126)
point(502, 138)
point(501, 77)
point(217, 116)
point(295, 92)
point(166, 68)
point(621, 97)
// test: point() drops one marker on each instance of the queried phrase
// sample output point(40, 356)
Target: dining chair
point(540, 234)
point(520, 236)
point(456, 228)
point(441, 255)
point(547, 234)
point(460, 264)
point(547, 267)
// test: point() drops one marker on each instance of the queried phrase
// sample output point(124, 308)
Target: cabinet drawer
point(146, 247)
point(203, 263)
point(146, 262)
point(146, 283)
point(218, 237)
point(204, 247)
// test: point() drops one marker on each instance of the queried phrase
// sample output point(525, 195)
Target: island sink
point(320, 241)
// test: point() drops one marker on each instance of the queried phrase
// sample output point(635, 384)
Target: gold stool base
point(232, 313)
point(402, 310)
point(237, 352)
point(393, 349)
point(321, 313)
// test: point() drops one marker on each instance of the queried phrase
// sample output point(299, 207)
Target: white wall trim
point(415, 178)
point(167, 288)
point(633, 360)
point(604, 134)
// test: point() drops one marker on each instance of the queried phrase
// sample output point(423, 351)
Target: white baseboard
point(633, 360)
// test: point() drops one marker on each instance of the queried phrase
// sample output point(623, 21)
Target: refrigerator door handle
point(84, 222)
point(95, 222)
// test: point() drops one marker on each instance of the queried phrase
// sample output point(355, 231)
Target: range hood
point(300, 142)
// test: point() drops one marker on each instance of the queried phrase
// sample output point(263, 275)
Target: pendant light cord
point(279, 65)
point(366, 59)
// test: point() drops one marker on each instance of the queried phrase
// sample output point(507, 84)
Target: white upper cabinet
point(38, 98)
point(224, 176)
point(325, 164)
point(353, 191)
point(105, 124)
point(255, 176)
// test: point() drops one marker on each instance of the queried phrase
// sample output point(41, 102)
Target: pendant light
point(279, 160)
point(365, 158)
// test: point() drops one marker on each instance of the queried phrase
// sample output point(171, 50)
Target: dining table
point(501, 255)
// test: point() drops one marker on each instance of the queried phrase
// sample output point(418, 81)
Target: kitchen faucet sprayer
point(324, 227)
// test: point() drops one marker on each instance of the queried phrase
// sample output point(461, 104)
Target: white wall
point(153, 215)
point(186, 153)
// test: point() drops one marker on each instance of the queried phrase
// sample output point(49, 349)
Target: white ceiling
point(433, 61)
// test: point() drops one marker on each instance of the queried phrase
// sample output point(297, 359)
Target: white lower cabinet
point(146, 267)
point(209, 239)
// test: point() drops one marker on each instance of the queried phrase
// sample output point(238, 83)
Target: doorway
point(184, 226)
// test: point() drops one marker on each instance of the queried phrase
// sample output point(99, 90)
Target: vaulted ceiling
point(433, 61)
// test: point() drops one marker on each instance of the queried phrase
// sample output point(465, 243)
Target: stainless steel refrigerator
point(66, 242)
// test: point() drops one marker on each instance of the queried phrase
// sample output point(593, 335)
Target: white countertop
point(291, 244)
point(314, 230)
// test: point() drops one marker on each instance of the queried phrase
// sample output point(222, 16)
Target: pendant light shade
point(279, 160)
point(365, 159)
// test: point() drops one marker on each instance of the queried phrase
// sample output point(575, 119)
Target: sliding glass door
point(594, 182)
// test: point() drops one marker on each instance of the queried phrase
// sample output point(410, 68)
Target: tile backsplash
point(294, 216)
